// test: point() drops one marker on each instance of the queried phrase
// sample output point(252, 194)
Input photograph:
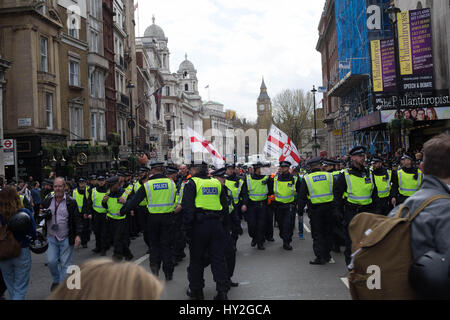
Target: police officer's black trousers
point(285, 217)
point(208, 236)
point(102, 238)
point(269, 222)
point(350, 211)
point(86, 234)
point(385, 206)
point(179, 241)
point(230, 253)
point(119, 234)
point(256, 217)
point(321, 230)
point(159, 228)
point(141, 215)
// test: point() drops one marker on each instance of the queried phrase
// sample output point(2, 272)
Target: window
point(74, 73)
point(167, 108)
point(121, 130)
point(168, 125)
point(101, 127)
point(186, 87)
point(49, 110)
point(100, 85)
point(76, 122)
point(94, 9)
point(73, 33)
point(94, 42)
point(92, 83)
point(167, 91)
point(94, 126)
point(44, 54)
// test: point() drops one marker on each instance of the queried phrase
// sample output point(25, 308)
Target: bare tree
point(293, 112)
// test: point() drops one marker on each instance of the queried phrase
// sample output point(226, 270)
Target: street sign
point(131, 124)
point(8, 152)
point(322, 89)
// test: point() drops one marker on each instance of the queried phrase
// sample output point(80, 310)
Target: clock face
point(261, 107)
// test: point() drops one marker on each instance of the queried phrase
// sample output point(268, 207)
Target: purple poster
point(388, 65)
point(416, 50)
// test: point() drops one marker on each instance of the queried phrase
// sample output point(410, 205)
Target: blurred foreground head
point(103, 279)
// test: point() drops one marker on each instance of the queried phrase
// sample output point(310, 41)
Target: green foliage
point(113, 139)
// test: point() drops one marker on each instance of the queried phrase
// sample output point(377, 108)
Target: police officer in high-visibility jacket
point(140, 213)
point(117, 222)
point(355, 192)
point(407, 181)
point(159, 193)
point(316, 192)
point(285, 186)
point(231, 224)
point(204, 206)
point(180, 240)
point(98, 213)
point(81, 196)
point(254, 204)
point(383, 180)
point(234, 184)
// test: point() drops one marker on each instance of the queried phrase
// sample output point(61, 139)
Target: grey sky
point(233, 43)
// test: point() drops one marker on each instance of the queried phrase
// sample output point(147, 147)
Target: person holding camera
point(64, 229)
point(15, 265)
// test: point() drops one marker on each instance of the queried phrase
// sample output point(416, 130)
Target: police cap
point(93, 177)
point(101, 178)
point(143, 169)
point(230, 165)
point(171, 170)
point(258, 165)
point(219, 173)
point(156, 164)
point(407, 156)
point(328, 162)
point(359, 150)
point(112, 180)
point(376, 159)
point(198, 163)
point(284, 164)
point(81, 180)
point(314, 161)
point(48, 181)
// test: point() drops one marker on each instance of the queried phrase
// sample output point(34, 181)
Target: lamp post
point(315, 128)
point(131, 123)
point(392, 11)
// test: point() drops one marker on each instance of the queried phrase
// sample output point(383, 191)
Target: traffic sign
point(8, 144)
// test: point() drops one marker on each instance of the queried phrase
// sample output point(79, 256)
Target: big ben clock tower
point(264, 108)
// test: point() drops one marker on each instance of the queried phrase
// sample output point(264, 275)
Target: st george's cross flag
point(200, 144)
point(279, 145)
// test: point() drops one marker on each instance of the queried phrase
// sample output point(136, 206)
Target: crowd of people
point(202, 208)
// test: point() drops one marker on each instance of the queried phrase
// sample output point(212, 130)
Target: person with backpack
point(15, 269)
point(355, 192)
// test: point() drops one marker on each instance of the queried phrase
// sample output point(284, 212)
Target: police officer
point(407, 181)
point(159, 194)
point(296, 172)
point(178, 241)
point(231, 224)
point(357, 185)
point(81, 196)
point(383, 179)
point(316, 191)
point(98, 213)
point(285, 185)
point(47, 189)
point(234, 183)
point(140, 213)
point(204, 206)
point(254, 204)
point(117, 222)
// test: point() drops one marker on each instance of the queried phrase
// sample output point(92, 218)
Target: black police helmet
point(429, 275)
point(39, 244)
point(20, 222)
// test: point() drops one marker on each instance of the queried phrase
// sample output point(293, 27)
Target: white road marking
point(345, 281)
point(306, 228)
point(142, 259)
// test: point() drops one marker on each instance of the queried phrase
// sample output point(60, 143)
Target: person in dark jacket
point(64, 230)
point(16, 271)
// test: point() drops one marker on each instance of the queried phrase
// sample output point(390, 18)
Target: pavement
point(272, 274)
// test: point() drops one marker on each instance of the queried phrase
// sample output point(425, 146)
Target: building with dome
point(180, 104)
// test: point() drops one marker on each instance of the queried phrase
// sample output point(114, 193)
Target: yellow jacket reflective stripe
point(407, 185)
point(257, 191)
point(160, 195)
point(383, 187)
point(284, 193)
point(97, 198)
point(114, 207)
point(208, 194)
point(358, 191)
point(320, 187)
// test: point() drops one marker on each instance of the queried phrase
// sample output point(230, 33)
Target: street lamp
point(392, 11)
point(315, 128)
point(131, 123)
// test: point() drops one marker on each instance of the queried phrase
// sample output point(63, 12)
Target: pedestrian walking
point(64, 230)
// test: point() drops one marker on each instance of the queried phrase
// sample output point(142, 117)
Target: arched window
point(186, 87)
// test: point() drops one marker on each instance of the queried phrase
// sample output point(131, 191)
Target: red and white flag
point(279, 145)
point(200, 144)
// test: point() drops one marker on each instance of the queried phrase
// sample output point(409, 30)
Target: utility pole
point(315, 127)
